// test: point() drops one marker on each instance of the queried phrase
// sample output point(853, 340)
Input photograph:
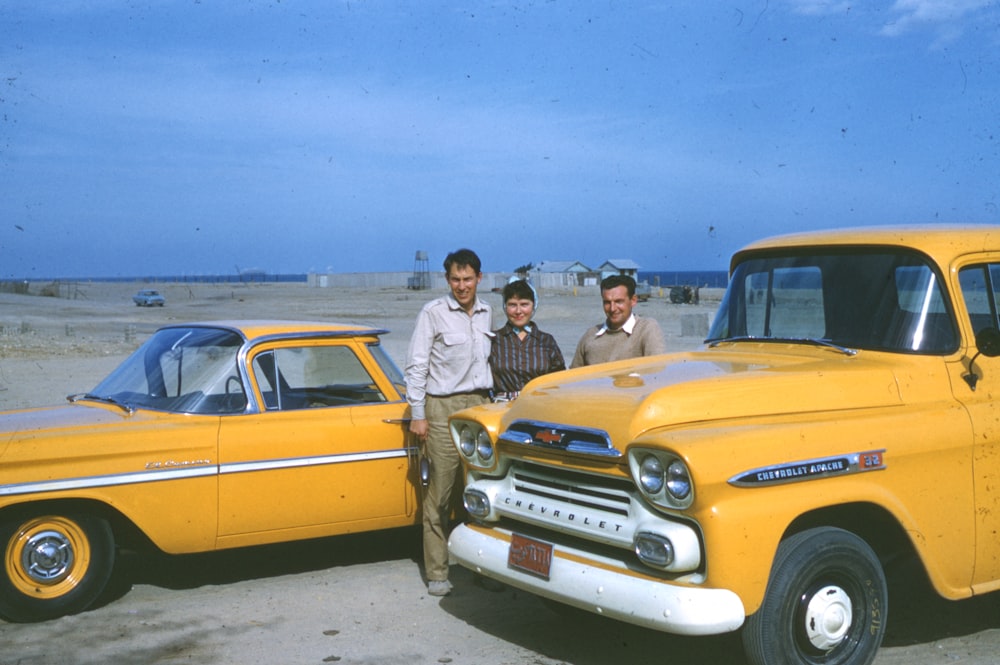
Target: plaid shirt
point(516, 361)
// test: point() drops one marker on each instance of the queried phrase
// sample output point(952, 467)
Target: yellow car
point(844, 411)
point(209, 436)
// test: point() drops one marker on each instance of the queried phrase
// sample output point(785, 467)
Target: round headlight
point(466, 441)
point(483, 445)
point(651, 474)
point(678, 480)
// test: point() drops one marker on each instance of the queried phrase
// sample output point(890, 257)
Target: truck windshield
point(860, 298)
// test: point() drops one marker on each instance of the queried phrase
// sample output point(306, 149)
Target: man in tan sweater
point(622, 334)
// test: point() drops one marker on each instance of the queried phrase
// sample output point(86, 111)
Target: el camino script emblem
point(872, 460)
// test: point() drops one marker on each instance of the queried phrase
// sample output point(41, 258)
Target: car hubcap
point(828, 617)
point(47, 557)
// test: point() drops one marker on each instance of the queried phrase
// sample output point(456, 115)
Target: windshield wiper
point(127, 408)
point(847, 351)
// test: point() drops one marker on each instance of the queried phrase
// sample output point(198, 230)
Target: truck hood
point(747, 380)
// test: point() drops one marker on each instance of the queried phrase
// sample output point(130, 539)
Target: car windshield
point(389, 368)
point(188, 370)
point(856, 298)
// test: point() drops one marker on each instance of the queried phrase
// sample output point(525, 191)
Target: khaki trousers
point(446, 467)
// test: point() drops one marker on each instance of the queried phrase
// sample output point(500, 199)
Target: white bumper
point(616, 593)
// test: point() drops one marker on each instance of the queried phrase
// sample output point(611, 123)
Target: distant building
point(563, 273)
point(620, 267)
point(627, 267)
point(562, 266)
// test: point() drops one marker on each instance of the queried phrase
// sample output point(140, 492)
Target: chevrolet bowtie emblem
point(548, 437)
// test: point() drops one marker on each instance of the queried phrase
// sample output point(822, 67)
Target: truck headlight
point(473, 442)
point(466, 441)
point(663, 477)
point(678, 480)
point(484, 446)
point(651, 475)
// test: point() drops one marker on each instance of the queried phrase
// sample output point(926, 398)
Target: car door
point(327, 453)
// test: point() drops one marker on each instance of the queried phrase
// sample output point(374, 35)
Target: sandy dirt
point(358, 599)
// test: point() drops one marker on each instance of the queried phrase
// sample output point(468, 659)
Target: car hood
point(630, 397)
point(64, 423)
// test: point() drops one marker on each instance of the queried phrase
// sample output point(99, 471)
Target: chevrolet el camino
point(209, 436)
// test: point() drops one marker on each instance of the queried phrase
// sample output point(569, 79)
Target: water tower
point(421, 272)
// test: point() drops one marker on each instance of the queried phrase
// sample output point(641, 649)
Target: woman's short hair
point(519, 290)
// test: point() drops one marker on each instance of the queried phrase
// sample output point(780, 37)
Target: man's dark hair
point(461, 258)
point(612, 281)
point(519, 289)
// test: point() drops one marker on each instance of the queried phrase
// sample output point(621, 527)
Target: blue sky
point(198, 137)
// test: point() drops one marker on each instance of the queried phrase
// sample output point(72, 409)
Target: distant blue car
point(148, 298)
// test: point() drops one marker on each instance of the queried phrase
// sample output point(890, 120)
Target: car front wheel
point(53, 565)
point(826, 603)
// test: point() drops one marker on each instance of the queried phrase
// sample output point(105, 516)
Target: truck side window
point(979, 288)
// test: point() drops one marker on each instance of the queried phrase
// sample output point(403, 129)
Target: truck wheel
point(826, 603)
point(53, 565)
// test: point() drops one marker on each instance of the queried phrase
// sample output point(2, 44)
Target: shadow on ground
point(918, 616)
point(146, 565)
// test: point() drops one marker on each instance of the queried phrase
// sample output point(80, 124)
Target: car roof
point(942, 242)
point(260, 328)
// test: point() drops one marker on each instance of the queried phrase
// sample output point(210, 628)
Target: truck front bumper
point(579, 579)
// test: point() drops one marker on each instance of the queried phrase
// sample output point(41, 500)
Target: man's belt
point(485, 394)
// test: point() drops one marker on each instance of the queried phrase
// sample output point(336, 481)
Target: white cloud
point(820, 7)
point(945, 16)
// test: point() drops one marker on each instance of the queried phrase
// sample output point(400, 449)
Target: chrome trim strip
point(292, 462)
point(562, 435)
point(107, 481)
point(159, 475)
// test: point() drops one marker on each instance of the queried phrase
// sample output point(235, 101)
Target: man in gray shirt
point(447, 369)
point(623, 334)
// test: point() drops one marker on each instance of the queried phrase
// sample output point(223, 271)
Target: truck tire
point(826, 603)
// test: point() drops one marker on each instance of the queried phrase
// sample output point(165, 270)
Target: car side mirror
point(987, 344)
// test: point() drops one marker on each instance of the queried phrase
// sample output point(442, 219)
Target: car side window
point(980, 284)
point(313, 377)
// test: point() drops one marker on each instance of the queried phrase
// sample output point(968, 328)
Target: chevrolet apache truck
point(844, 410)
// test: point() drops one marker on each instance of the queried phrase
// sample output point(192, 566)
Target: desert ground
point(358, 599)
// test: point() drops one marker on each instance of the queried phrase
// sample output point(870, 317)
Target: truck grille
point(610, 495)
point(582, 440)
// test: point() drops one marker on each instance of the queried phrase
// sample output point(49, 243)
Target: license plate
point(530, 555)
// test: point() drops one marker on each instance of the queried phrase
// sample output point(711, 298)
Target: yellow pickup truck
point(841, 413)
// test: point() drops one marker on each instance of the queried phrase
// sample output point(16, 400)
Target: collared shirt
point(516, 361)
point(640, 336)
point(449, 352)
point(626, 328)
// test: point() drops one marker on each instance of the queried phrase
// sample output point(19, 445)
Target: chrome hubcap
point(828, 617)
point(47, 557)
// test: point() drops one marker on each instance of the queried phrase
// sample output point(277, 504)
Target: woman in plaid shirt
point(521, 351)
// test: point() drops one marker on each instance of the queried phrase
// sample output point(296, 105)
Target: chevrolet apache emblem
point(871, 460)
